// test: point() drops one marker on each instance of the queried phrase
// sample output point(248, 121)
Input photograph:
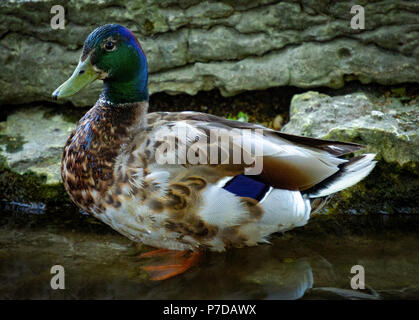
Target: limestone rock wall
point(200, 45)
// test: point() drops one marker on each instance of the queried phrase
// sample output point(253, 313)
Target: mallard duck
point(111, 168)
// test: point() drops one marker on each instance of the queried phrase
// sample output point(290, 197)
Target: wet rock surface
point(232, 46)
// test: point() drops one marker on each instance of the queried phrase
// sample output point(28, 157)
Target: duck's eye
point(110, 46)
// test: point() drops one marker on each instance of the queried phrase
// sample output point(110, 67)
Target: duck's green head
point(113, 54)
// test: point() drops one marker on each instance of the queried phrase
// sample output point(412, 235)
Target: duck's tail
point(349, 173)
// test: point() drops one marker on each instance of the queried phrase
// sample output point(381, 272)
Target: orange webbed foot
point(172, 263)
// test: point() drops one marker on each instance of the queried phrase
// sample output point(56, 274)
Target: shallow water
point(313, 262)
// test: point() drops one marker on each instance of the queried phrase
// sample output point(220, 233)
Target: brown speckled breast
point(87, 164)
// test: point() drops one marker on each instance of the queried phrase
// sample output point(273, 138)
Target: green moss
point(3, 162)
point(148, 26)
point(388, 146)
point(30, 187)
point(13, 143)
point(241, 116)
point(399, 92)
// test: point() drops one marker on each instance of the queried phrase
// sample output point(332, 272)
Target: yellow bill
point(82, 76)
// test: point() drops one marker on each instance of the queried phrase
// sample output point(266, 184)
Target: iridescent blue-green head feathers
point(111, 53)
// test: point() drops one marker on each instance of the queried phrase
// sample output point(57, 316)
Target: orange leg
point(172, 263)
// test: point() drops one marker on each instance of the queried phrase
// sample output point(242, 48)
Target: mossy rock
point(32, 140)
point(389, 189)
point(31, 144)
point(387, 126)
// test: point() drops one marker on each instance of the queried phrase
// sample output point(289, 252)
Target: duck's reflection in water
point(241, 274)
point(289, 281)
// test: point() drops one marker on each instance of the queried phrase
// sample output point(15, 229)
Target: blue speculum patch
point(244, 186)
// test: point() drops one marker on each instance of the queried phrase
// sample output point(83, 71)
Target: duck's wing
point(287, 161)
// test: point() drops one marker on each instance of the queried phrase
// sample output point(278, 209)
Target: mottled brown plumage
point(110, 161)
point(88, 160)
point(115, 164)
